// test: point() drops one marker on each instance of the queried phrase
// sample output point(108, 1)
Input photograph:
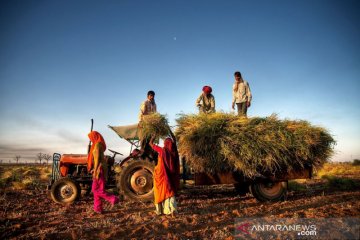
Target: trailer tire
point(269, 191)
point(65, 191)
point(135, 181)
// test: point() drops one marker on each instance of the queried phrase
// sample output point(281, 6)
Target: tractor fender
point(135, 154)
point(125, 160)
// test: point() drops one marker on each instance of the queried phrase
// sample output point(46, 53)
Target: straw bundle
point(222, 142)
point(154, 125)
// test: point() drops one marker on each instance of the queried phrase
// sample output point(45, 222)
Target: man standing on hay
point(241, 95)
point(147, 107)
point(206, 101)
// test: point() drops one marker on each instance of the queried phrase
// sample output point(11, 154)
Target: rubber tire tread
point(124, 174)
point(68, 181)
point(260, 196)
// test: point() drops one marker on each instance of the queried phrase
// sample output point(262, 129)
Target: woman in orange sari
point(166, 177)
point(98, 166)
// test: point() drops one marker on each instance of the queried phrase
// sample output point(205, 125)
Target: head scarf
point(95, 137)
point(207, 89)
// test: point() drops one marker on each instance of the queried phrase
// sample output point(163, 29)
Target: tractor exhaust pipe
point(92, 125)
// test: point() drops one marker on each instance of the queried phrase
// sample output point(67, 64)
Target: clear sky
point(65, 62)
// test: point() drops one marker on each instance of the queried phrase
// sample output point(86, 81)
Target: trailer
point(137, 172)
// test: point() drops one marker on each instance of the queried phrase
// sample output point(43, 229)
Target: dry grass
point(222, 142)
point(339, 169)
point(24, 177)
point(332, 176)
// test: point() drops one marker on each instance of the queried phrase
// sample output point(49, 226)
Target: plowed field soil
point(204, 212)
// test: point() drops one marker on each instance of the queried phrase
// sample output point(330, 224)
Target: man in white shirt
point(241, 95)
point(148, 106)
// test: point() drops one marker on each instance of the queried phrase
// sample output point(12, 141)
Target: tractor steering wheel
point(114, 152)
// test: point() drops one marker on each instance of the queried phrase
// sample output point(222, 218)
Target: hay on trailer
point(154, 125)
point(222, 142)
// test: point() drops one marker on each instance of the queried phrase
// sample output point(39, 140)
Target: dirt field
point(26, 211)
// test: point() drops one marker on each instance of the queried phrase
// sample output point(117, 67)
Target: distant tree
point(40, 157)
point(356, 162)
point(17, 158)
point(47, 157)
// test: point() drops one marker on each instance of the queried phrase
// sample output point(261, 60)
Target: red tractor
point(134, 178)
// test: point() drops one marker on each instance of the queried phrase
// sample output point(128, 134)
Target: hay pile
point(154, 125)
point(222, 142)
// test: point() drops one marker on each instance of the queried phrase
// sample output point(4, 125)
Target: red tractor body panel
point(71, 159)
point(74, 158)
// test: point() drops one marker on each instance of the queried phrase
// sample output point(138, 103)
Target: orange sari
point(166, 172)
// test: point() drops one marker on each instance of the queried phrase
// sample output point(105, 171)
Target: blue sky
point(65, 62)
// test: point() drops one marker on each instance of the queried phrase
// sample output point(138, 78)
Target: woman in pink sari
point(98, 166)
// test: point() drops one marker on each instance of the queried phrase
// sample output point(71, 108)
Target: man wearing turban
point(206, 101)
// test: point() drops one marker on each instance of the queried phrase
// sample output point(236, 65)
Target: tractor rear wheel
point(135, 180)
point(269, 191)
point(65, 191)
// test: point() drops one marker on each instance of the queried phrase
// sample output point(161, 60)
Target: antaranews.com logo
point(301, 230)
point(297, 228)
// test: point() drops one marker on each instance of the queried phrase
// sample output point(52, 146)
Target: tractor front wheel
point(65, 191)
point(135, 180)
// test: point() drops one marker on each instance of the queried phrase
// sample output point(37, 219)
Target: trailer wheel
point(269, 191)
point(135, 181)
point(65, 191)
